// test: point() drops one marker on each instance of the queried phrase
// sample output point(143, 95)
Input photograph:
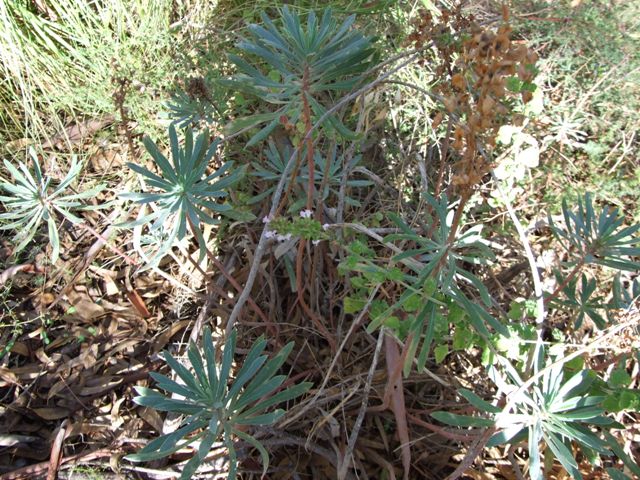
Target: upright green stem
point(464, 198)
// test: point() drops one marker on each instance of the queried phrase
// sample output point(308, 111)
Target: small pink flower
point(284, 238)
point(326, 227)
point(270, 234)
point(306, 213)
point(266, 219)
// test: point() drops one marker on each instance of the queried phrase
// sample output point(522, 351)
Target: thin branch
point(345, 460)
point(320, 390)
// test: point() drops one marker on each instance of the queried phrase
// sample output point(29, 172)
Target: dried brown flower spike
point(480, 72)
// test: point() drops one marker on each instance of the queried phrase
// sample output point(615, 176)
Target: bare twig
point(345, 460)
point(320, 390)
point(473, 453)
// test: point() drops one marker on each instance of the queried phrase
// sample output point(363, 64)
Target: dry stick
point(334, 361)
point(466, 195)
point(319, 253)
point(202, 316)
point(262, 244)
point(306, 111)
point(300, 288)
point(344, 461)
point(103, 239)
point(514, 464)
point(281, 438)
point(39, 469)
point(567, 279)
point(302, 244)
point(474, 451)
point(443, 158)
point(226, 274)
point(458, 437)
point(410, 262)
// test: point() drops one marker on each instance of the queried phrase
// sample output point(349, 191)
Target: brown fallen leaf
point(152, 417)
point(162, 339)
point(105, 159)
point(9, 440)
point(51, 413)
point(27, 372)
point(109, 277)
point(8, 377)
point(20, 348)
point(138, 303)
point(475, 475)
point(79, 131)
point(63, 384)
point(99, 385)
point(19, 144)
point(85, 309)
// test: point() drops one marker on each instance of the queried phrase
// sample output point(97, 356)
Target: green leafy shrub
point(552, 404)
point(217, 408)
point(32, 200)
point(183, 193)
point(557, 409)
point(306, 65)
point(432, 291)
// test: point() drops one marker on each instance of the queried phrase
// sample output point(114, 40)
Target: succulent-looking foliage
point(276, 164)
point(187, 110)
point(305, 62)
point(598, 239)
point(32, 200)
point(184, 194)
point(441, 268)
point(216, 407)
point(559, 409)
point(196, 104)
point(582, 300)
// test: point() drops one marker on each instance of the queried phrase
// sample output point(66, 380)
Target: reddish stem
point(306, 113)
point(566, 281)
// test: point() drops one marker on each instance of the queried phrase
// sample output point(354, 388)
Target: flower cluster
point(304, 226)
